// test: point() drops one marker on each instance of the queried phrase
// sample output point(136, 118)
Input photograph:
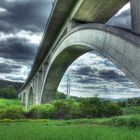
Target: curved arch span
point(119, 46)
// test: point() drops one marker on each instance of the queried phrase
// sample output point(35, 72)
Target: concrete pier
point(135, 16)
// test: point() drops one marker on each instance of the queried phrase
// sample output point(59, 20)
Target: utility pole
point(68, 86)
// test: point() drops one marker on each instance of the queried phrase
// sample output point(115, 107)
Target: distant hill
point(6, 83)
point(116, 100)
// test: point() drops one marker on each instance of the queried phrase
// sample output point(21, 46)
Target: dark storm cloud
point(6, 27)
point(110, 74)
point(98, 76)
point(13, 78)
point(84, 70)
point(17, 49)
point(88, 80)
point(9, 68)
point(21, 25)
point(94, 75)
point(28, 15)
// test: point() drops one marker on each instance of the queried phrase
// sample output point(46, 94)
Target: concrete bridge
point(74, 28)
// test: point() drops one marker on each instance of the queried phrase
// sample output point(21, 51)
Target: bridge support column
point(35, 89)
point(39, 86)
point(44, 68)
point(135, 16)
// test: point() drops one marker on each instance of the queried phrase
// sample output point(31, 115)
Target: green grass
point(43, 131)
point(131, 110)
point(124, 120)
point(9, 102)
point(80, 129)
point(126, 127)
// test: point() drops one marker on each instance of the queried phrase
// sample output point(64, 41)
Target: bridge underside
point(96, 11)
point(54, 56)
point(119, 46)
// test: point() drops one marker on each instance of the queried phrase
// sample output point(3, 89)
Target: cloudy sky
point(21, 27)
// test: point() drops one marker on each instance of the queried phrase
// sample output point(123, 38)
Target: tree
point(9, 92)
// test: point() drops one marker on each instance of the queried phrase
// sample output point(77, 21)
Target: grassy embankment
point(122, 127)
point(131, 110)
point(66, 130)
point(9, 102)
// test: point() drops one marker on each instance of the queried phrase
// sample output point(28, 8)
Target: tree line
point(65, 109)
point(8, 92)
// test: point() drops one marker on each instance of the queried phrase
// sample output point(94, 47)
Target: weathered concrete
point(135, 15)
point(98, 11)
point(62, 14)
point(30, 98)
point(119, 46)
point(58, 68)
point(59, 50)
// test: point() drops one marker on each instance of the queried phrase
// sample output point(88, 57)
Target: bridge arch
point(119, 46)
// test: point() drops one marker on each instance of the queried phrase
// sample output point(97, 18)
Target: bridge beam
point(98, 11)
point(135, 16)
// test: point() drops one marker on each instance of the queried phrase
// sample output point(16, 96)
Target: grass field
point(80, 129)
point(9, 102)
point(126, 127)
point(131, 110)
point(43, 131)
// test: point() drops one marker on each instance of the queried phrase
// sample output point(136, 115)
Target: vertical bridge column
point(35, 89)
point(44, 68)
point(39, 86)
point(135, 16)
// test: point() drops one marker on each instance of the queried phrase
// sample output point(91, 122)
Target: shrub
point(65, 109)
point(61, 109)
point(133, 122)
point(34, 113)
point(47, 111)
point(75, 112)
point(41, 112)
point(118, 121)
point(60, 95)
point(91, 107)
point(111, 109)
point(125, 121)
point(12, 112)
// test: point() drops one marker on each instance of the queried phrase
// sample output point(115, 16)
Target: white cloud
point(20, 74)
point(21, 1)
point(126, 7)
point(93, 83)
point(33, 38)
point(3, 10)
point(122, 19)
